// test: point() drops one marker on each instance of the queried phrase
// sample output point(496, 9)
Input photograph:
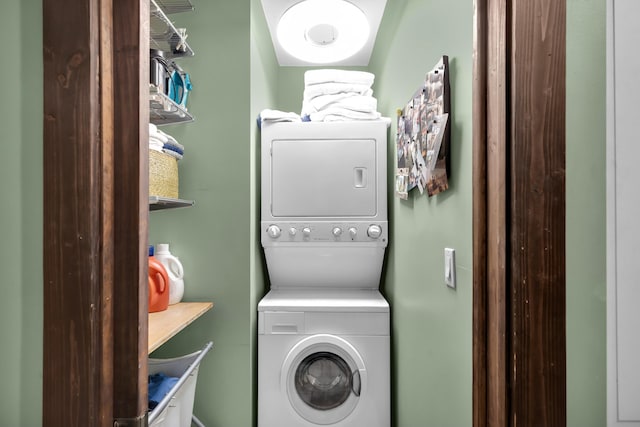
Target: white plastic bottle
point(175, 271)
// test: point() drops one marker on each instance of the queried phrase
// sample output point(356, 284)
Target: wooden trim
point(131, 118)
point(95, 211)
point(497, 122)
point(519, 196)
point(537, 270)
point(77, 217)
point(480, 379)
point(490, 400)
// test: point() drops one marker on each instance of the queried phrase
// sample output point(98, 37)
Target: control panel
point(324, 232)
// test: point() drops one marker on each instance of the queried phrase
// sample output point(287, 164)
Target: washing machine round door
point(324, 378)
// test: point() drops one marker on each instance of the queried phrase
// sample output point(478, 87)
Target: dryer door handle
point(355, 382)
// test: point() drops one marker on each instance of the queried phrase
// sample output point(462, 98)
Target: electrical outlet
point(450, 267)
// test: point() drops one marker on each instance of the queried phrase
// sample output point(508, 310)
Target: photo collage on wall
point(423, 136)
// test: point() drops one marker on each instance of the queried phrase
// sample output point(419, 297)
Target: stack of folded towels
point(164, 143)
point(338, 95)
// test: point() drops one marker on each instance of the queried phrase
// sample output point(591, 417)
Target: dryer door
point(324, 178)
point(324, 378)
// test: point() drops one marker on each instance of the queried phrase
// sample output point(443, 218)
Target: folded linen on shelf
point(335, 88)
point(171, 142)
point(274, 116)
point(164, 143)
point(314, 77)
point(278, 116)
point(337, 113)
point(355, 102)
point(173, 152)
point(155, 144)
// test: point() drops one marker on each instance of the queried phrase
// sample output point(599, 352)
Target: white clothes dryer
point(324, 203)
point(323, 359)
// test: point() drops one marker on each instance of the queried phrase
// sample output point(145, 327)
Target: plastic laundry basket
point(176, 409)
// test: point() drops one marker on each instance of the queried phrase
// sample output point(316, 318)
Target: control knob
point(306, 232)
point(292, 231)
point(353, 232)
point(374, 231)
point(273, 231)
point(337, 232)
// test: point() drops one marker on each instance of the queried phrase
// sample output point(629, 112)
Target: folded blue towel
point(159, 386)
point(173, 148)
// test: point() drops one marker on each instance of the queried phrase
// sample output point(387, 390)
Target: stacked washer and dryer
point(323, 328)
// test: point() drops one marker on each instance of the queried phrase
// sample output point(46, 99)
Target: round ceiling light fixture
point(323, 31)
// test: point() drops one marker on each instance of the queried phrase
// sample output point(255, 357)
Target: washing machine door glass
point(324, 381)
point(324, 378)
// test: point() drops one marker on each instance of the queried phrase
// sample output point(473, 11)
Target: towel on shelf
point(335, 88)
point(332, 95)
point(278, 116)
point(171, 142)
point(275, 116)
point(164, 143)
point(314, 77)
point(155, 144)
point(342, 114)
point(172, 151)
point(159, 135)
point(365, 104)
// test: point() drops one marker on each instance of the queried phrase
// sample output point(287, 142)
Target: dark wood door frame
point(519, 215)
point(95, 54)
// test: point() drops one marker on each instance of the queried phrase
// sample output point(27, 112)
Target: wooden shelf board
point(165, 324)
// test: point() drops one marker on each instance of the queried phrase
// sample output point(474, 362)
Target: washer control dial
point(337, 232)
point(292, 231)
point(374, 231)
point(306, 232)
point(274, 231)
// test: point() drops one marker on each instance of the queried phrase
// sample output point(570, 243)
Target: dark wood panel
point(77, 264)
point(480, 379)
point(131, 118)
point(538, 383)
point(497, 123)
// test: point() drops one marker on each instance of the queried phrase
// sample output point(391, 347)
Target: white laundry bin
point(176, 409)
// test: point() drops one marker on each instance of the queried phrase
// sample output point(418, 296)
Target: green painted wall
point(213, 238)
point(235, 76)
point(21, 217)
point(263, 90)
point(11, 228)
point(431, 324)
point(585, 210)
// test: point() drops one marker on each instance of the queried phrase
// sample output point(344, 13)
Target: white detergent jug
point(174, 270)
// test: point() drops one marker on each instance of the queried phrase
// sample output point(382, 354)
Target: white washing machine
point(323, 359)
point(324, 203)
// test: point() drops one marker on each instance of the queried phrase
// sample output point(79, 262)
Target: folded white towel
point(278, 116)
point(322, 101)
point(311, 92)
point(314, 77)
point(337, 113)
point(365, 104)
point(155, 144)
point(339, 118)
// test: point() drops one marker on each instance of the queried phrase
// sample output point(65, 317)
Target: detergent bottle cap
point(163, 248)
